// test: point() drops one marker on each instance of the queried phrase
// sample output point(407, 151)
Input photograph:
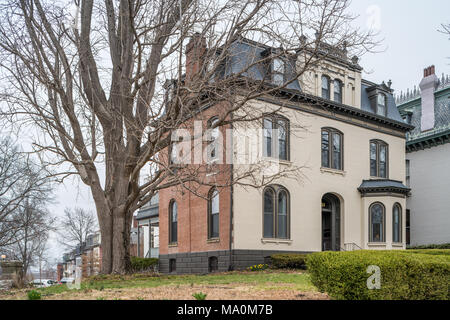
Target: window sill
point(277, 241)
point(397, 244)
point(378, 178)
point(333, 171)
point(377, 244)
point(214, 240)
point(278, 161)
point(173, 245)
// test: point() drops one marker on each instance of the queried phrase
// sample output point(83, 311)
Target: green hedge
point(289, 261)
point(433, 246)
point(439, 252)
point(404, 275)
point(143, 264)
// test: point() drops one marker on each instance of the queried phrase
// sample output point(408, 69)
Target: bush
point(143, 264)
point(433, 246)
point(289, 261)
point(34, 295)
point(439, 252)
point(404, 275)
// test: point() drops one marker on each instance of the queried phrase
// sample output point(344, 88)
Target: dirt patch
point(184, 292)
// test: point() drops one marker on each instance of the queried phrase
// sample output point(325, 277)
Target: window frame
point(331, 132)
point(400, 223)
point(378, 144)
point(276, 191)
point(329, 87)
point(171, 234)
point(211, 140)
point(210, 213)
point(275, 145)
point(275, 72)
point(383, 239)
point(380, 94)
point(341, 90)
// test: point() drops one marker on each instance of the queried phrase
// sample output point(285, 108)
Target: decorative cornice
point(392, 187)
point(429, 141)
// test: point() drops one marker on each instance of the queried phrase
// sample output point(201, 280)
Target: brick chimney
point(427, 87)
point(195, 55)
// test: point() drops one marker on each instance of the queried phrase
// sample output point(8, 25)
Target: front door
point(331, 223)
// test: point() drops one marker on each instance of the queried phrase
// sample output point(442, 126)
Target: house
point(351, 195)
point(145, 232)
point(427, 108)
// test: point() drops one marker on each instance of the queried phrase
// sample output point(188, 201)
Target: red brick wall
point(192, 209)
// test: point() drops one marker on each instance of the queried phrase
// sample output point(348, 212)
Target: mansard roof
point(244, 53)
point(410, 105)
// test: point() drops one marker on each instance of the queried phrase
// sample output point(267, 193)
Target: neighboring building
point(428, 159)
point(145, 233)
point(352, 195)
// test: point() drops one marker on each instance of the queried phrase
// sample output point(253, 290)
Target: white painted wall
point(430, 196)
point(307, 192)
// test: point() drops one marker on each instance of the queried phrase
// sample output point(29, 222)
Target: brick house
point(352, 194)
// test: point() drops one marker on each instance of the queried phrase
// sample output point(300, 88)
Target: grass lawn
point(267, 284)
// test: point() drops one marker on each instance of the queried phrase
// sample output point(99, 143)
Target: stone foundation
point(199, 262)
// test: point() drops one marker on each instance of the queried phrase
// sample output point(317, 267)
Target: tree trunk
point(121, 262)
point(106, 243)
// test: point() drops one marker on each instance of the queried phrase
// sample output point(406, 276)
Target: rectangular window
point(278, 72)
point(268, 214)
point(383, 157)
point(381, 105)
point(282, 145)
point(373, 159)
point(337, 151)
point(325, 149)
point(408, 183)
point(268, 131)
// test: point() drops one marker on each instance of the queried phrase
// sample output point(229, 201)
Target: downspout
point(230, 264)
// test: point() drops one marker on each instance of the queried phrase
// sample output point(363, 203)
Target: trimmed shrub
point(433, 246)
point(439, 252)
point(404, 275)
point(289, 261)
point(143, 264)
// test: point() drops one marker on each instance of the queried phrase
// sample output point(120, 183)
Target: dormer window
point(338, 91)
point(381, 105)
point(325, 87)
point(278, 70)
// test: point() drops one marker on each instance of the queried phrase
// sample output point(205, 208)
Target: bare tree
point(21, 183)
point(76, 225)
point(30, 239)
point(93, 84)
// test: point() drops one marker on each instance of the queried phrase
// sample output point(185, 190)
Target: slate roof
point(244, 53)
point(416, 139)
point(383, 185)
point(148, 212)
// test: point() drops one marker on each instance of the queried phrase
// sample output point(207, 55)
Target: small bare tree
point(22, 183)
point(30, 238)
point(93, 84)
point(75, 226)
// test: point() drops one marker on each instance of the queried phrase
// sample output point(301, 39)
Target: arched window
point(379, 159)
point(173, 222)
point(338, 90)
point(213, 214)
point(381, 104)
point(376, 222)
point(276, 213)
point(397, 223)
point(276, 137)
point(325, 87)
point(212, 140)
point(332, 149)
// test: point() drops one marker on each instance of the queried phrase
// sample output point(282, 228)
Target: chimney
point(195, 55)
point(427, 87)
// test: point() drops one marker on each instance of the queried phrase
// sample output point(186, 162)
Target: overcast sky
point(411, 43)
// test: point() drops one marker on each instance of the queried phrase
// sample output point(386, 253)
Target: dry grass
point(268, 285)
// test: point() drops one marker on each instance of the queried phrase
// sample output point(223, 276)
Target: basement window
point(213, 264)
point(172, 265)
